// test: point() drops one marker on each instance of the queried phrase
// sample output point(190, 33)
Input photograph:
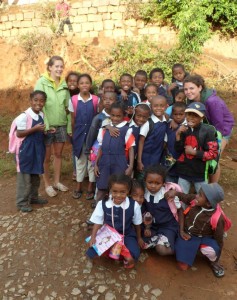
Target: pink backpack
point(95, 101)
point(176, 187)
point(14, 141)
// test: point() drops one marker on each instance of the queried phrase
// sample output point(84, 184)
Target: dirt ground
point(43, 253)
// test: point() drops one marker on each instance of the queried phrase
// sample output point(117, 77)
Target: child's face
point(180, 97)
point(158, 106)
point(192, 91)
point(178, 115)
point(119, 193)
point(116, 116)
point(157, 78)
point(141, 116)
point(140, 81)
point(126, 83)
point(72, 82)
point(138, 195)
point(151, 91)
point(84, 85)
point(108, 87)
point(37, 103)
point(178, 74)
point(56, 69)
point(154, 183)
point(193, 120)
point(201, 200)
point(108, 100)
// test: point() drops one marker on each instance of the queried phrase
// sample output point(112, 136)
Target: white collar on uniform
point(132, 123)
point(120, 124)
point(105, 113)
point(109, 203)
point(33, 115)
point(157, 197)
point(81, 99)
point(156, 120)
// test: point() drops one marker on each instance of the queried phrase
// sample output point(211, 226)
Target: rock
point(63, 273)
point(96, 297)
point(146, 288)
point(102, 289)
point(127, 288)
point(110, 296)
point(75, 292)
point(156, 292)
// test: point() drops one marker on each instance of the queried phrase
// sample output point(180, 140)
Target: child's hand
point(128, 171)
point(130, 110)
point(96, 171)
point(173, 124)
point(113, 131)
point(181, 129)
point(140, 166)
point(92, 241)
point(52, 130)
point(147, 232)
point(136, 90)
point(124, 95)
point(169, 195)
point(189, 150)
point(39, 127)
point(141, 243)
point(172, 86)
point(185, 236)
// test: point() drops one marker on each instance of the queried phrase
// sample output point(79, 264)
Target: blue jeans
point(185, 185)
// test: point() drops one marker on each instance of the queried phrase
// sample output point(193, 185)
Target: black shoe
point(38, 201)
point(25, 209)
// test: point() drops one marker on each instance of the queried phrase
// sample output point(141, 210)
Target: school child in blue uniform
point(157, 77)
point(202, 227)
point(162, 229)
point(178, 116)
point(30, 158)
point(83, 108)
point(122, 213)
point(127, 97)
point(111, 156)
point(150, 92)
point(138, 191)
point(153, 135)
point(140, 81)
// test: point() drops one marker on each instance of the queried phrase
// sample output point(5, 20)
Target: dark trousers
point(62, 23)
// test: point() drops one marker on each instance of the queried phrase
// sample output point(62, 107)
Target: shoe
point(38, 201)
point(217, 269)
point(50, 191)
point(182, 266)
point(77, 194)
point(90, 195)
point(60, 187)
point(25, 209)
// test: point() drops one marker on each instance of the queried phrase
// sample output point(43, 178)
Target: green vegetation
point(36, 43)
point(131, 55)
point(47, 11)
point(193, 19)
point(7, 164)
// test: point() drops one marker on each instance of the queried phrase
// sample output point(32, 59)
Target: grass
point(7, 164)
point(5, 122)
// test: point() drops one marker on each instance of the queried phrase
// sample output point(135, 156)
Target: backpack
point(211, 165)
point(14, 141)
point(95, 101)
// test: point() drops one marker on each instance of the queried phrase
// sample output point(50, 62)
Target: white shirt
point(21, 120)
point(145, 128)
point(129, 132)
point(98, 214)
point(70, 106)
point(159, 196)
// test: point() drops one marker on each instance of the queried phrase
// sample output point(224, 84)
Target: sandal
point(90, 195)
point(50, 191)
point(77, 194)
point(217, 270)
point(127, 265)
point(60, 187)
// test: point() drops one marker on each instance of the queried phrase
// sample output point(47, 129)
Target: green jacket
point(55, 109)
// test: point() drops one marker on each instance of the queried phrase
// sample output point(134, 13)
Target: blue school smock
point(186, 251)
point(130, 238)
point(113, 159)
point(84, 116)
point(135, 132)
point(132, 100)
point(164, 221)
point(154, 145)
point(32, 151)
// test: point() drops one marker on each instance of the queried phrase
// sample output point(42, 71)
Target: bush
point(131, 55)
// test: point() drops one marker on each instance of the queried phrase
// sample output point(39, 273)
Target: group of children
point(148, 132)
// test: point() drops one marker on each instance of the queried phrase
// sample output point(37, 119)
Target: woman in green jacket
point(57, 120)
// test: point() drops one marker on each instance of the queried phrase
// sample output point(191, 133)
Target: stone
point(110, 296)
point(75, 292)
point(146, 288)
point(156, 292)
point(102, 289)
